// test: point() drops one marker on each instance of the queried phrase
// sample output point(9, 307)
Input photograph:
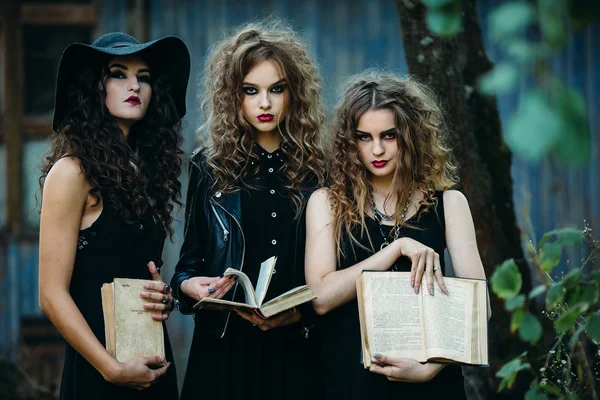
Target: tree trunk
point(451, 67)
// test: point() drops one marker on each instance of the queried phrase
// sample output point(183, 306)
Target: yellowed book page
point(136, 333)
point(222, 305)
point(480, 322)
point(394, 324)
point(264, 279)
point(244, 281)
point(290, 299)
point(448, 320)
point(108, 310)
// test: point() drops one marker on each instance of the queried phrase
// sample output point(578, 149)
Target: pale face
point(377, 143)
point(128, 90)
point(265, 97)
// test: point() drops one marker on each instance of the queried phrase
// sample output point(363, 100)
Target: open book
point(129, 329)
point(441, 328)
point(254, 297)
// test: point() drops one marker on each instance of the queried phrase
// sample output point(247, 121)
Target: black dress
point(111, 248)
point(248, 363)
point(345, 376)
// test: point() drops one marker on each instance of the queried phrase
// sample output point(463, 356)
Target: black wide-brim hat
point(168, 55)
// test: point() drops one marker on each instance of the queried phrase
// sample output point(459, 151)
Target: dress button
point(270, 169)
point(141, 227)
point(270, 155)
point(218, 194)
point(273, 242)
point(273, 215)
point(272, 191)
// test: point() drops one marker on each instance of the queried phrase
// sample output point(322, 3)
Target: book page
point(108, 311)
point(448, 320)
point(136, 333)
point(264, 278)
point(244, 281)
point(291, 298)
point(222, 305)
point(392, 318)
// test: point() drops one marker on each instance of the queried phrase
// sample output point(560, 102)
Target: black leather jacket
point(214, 241)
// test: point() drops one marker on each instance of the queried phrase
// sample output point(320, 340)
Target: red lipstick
point(265, 117)
point(133, 100)
point(379, 163)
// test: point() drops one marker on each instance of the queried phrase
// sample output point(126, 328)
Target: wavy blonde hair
point(424, 159)
point(232, 137)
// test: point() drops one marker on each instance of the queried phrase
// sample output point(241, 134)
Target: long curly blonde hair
point(424, 160)
point(232, 137)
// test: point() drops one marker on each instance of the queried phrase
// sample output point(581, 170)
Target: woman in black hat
point(109, 181)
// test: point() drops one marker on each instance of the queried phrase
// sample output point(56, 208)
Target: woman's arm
point(65, 195)
point(336, 287)
point(189, 286)
point(461, 239)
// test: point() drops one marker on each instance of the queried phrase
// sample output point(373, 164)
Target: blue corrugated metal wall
point(345, 37)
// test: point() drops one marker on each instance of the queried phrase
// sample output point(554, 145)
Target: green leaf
point(551, 24)
point(445, 21)
point(550, 388)
point(575, 148)
point(575, 337)
point(572, 279)
point(516, 320)
point(535, 128)
point(536, 291)
point(506, 280)
point(499, 80)
point(554, 295)
point(509, 372)
point(437, 3)
point(573, 396)
point(567, 320)
point(566, 236)
point(530, 329)
point(535, 393)
point(592, 326)
point(590, 294)
point(515, 302)
point(596, 276)
point(509, 19)
point(550, 256)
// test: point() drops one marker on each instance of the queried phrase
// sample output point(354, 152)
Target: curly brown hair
point(136, 174)
point(424, 159)
point(232, 137)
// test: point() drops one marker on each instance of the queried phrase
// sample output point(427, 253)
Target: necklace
point(379, 217)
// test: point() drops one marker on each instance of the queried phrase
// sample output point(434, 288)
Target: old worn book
point(129, 329)
point(441, 328)
point(254, 297)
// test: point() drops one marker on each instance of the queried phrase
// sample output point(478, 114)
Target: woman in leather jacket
point(246, 200)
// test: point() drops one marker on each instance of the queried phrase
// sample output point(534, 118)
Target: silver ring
point(165, 301)
point(211, 290)
point(253, 324)
point(167, 287)
point(436, 268)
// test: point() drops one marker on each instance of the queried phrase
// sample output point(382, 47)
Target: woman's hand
point(424, 260)
point(404, 369)
point(136, 373)
point(200, 287)
point(159, 295)
point(282, 319)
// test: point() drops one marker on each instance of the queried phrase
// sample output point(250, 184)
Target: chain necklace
point(380, 217)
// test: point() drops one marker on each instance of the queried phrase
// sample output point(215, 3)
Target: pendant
point(384, 245)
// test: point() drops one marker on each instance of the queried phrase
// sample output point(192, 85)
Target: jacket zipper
point(243, 253)
point(225, 231)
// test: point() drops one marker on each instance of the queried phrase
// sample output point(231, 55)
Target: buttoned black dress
point(248, 363)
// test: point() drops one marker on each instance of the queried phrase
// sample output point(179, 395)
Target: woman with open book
point(246, 201)
point(109, 181)
point(388, 207)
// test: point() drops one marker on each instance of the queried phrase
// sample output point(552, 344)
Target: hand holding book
point(284, 318)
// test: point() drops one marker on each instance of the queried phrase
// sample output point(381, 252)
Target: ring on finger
point(167, 287)
point(211, 290)
point(166, 299)
point(436, 268)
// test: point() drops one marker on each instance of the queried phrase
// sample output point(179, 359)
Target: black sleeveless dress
point(345, 376)
point(111, 248)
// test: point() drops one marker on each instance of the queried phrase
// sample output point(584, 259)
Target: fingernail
point(417, 290)
point(377, 356)
point(446, 291)
point(431, 292)
point(142, 293)
point(146, 286)
point(412, 284)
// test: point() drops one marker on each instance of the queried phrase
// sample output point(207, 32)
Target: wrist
point(399, 246)
point(111, 370)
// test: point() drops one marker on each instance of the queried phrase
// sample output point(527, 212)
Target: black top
point(345, 376)
point(248, 363)
point(111, 248)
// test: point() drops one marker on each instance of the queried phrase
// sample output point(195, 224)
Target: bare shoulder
point(67, 175)
point(319, 201)
point(454, 199)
